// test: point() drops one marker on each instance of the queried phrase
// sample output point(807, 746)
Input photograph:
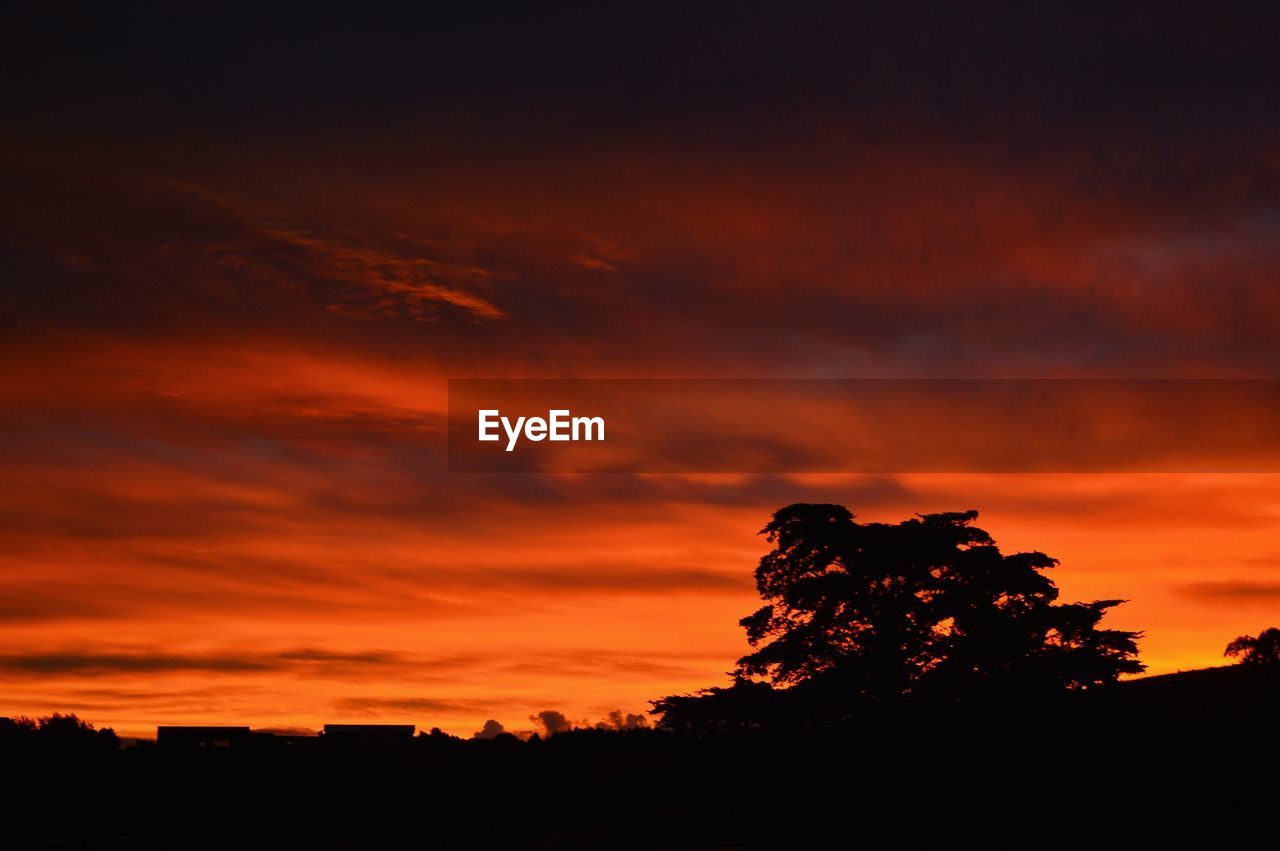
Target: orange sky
point(226, 336)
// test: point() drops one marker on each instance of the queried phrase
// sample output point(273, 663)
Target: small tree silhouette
point(926, 607)
point(1260, 649)
point(69, 732)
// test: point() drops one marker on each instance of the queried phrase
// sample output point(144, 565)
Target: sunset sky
point(244, 252)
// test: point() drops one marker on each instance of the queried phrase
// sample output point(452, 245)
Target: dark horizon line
point(353, 729)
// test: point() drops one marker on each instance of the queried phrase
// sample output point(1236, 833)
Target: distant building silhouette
point(369, 734)
point(363, 735)
point(202, 737)
point(270, 738)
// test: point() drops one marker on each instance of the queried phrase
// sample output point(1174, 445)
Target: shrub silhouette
point(1260, 649)
point(928, 607)
point(58, 732)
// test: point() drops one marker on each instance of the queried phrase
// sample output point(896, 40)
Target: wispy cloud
point(98, 663)
point(362, 280)
point(1234, 592)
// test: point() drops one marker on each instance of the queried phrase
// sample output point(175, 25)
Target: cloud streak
point(1237, 592)
point(301, 661)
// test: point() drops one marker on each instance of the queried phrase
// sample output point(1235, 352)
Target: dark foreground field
point(1186, 756)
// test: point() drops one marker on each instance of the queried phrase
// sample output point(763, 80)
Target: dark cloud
point(597, 576)
point(1234, 592)
point(302, 662)
point(44, 696)
point(589, 663)
point(552, 722)
point(127, 239)
point(533, 76)
point(619, 720)
point(53, 601)
point(422, 705)
point(377, 283)
point(491, 730)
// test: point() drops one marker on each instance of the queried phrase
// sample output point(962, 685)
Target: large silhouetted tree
point(1260, 649)
point(926, 607)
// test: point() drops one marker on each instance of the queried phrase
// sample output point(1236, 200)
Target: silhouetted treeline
point(55, 733)
point(1262, 649)
point(910, 684)
point(1162, 755)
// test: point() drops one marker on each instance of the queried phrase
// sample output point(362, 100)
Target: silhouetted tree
point(742, 707)
point(930, 606)
point(1260, 649)
point(57, 732)
point(68, 731)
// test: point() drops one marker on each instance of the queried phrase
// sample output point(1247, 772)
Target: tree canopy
point(927, 607)
point(1260, 649)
